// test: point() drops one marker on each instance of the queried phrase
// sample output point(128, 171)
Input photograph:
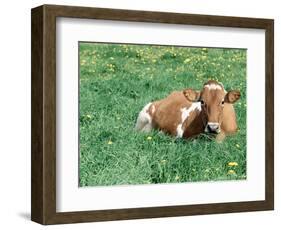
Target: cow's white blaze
point(144, 121)
point(185, 112)
point(213, 87)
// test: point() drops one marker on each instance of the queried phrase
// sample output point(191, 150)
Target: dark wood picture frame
point(43, 160)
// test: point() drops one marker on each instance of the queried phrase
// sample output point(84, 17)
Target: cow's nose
point(213, 127)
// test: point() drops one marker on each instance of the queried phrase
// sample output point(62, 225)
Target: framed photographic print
point(139, 114)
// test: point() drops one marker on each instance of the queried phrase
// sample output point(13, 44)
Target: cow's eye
point(222, 102)
point(202, 102)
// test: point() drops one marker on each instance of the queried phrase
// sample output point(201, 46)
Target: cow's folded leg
point(220, 137)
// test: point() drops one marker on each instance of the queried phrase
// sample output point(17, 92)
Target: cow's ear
point(191, 95)
point(232, 96)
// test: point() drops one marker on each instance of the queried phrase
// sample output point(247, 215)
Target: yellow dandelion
point(233, 163)
point(83, 61)
point(231, 172)
point(186, 60)
point(163, 161)
point(109, 142)
point(149, 138)
point(177, 178)
point(204, 49)
point(238, 146)
point(228, 66)
point(88, 116)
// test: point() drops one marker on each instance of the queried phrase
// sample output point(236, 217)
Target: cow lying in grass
point(187, 113)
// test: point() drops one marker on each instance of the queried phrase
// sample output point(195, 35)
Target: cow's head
point(213, 99)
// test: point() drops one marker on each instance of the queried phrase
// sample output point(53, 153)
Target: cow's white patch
point(179, 130)
point(144, 121)
point(185, 112)
point(213, 87)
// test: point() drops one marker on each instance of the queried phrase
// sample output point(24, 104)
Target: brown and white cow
point(187, 113)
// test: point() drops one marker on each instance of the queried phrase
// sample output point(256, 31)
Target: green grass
point(116, 81)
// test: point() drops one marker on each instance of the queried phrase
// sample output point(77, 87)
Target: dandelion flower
point(177, 178)
point(149, 138)
point(238, 146)
point(233, 164)
point(186, 60)
point(163, 161)
point(109, 142)
point(88, 116)
point(231, 172)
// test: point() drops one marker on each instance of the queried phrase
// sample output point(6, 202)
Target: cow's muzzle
point(212, 127)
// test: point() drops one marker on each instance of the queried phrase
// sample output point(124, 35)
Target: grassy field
point(116, 81)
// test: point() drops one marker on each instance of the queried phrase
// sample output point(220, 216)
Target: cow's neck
point(195, 125)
